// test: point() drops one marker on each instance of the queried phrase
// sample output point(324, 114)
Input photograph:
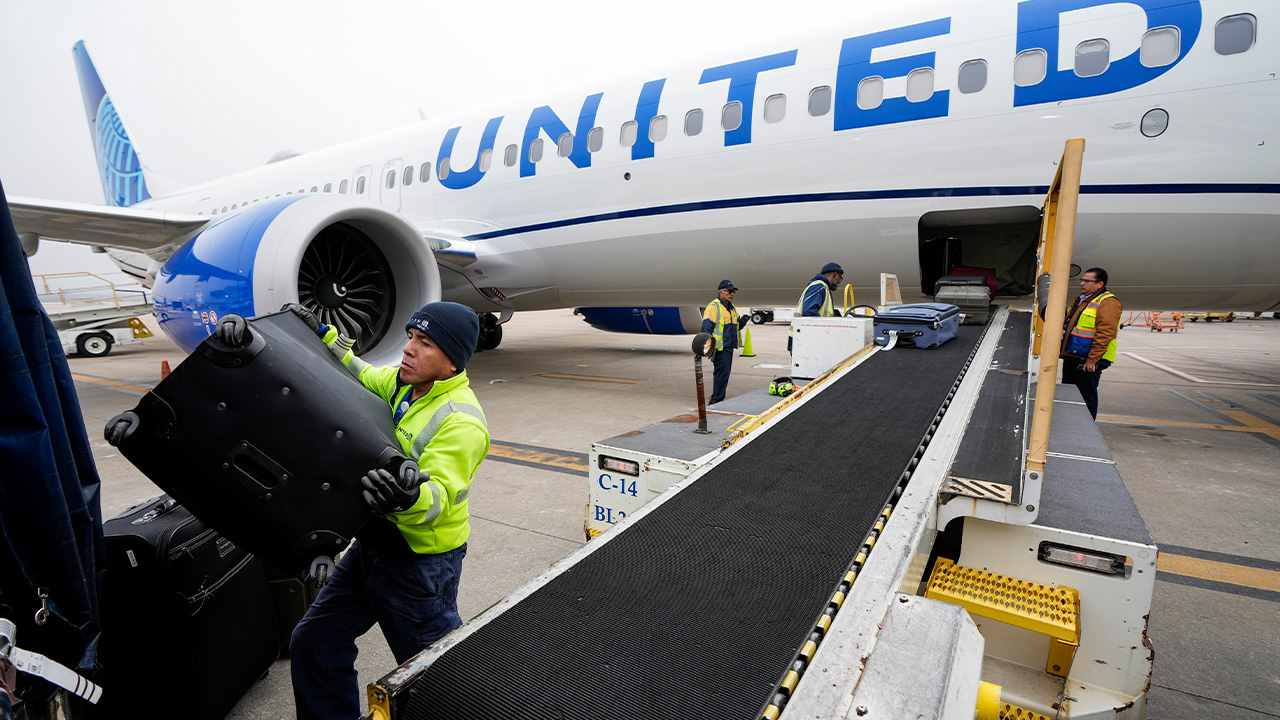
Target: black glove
point(385, 494)
point(307, 316)
point(120, 427)
point(233, 331)
point(742, 321)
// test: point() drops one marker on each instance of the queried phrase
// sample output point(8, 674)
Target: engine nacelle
point(359, 267)
point(644, 320)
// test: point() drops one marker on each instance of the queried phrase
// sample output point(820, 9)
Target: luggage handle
point(256, 472)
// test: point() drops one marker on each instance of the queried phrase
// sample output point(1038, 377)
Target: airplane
point(909, 140)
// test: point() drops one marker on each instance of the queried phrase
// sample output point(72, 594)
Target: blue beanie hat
point(454, 328)
point(831, 267)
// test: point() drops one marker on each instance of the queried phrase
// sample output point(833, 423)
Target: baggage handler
point(723, 322)
point(816, 300)
point(1089, 336)
point(403, 570)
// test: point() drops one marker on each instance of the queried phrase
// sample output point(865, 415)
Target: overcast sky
point(207, 89)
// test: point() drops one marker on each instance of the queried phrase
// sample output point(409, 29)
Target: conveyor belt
point(989, 463)
point(698, 608)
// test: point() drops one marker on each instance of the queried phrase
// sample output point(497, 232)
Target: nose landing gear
point(490, 332)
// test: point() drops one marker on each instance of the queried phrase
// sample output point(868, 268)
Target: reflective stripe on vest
point(424, 436)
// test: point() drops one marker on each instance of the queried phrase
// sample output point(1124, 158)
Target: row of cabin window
point(1161, 46)
point(328, 187)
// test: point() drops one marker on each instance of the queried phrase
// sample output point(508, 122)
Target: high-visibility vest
point(827, 310)
point(445, 432)
point(1086, 330)
point(719, 309)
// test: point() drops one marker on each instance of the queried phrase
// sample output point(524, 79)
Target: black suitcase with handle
point(267, 443)
point(187, 622)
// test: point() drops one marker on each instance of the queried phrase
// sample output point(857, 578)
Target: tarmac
point(1192, 418)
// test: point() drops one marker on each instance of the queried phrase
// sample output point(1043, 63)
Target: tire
point(491, 338)
point(93, 344)
point(757, 317)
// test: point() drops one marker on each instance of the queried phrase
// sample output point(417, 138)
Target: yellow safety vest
point(719, 309)
point(1086, 328)
point(827, 310)
point(445, 432)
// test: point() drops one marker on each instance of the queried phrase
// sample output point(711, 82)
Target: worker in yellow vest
point(816, 300)
point(403, 570)
point(1089, 336)
point(721, 319)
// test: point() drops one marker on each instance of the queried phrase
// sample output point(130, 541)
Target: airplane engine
point(644, 320)
point(358, 267)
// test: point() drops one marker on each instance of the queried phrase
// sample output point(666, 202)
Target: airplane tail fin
point(119, 168)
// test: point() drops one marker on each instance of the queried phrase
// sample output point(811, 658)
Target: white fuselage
point(1188, 218)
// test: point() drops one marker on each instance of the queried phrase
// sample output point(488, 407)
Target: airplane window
point(693, 122)
point(658, 128)
point(1235, 34)
point(1160, 46)
point(486, 160)
point(775, 108)
point(442, 168)
point(564, 146)
point(973, 76)
point(731, 116)
point(408, 176)
point(391, 178)
point(509, 157)
point(342, 187)
point(870, 93)
point(1029, 67)
point(360, 185)
point(425, 174)
point(213, 211)
point(233, 207)
point(595, 139)
point(629, 133)
point(820, 101)
point(1092, 57)
point(328, 187)
point(535, 150)
point(224, 208)
point(314, 188)
point(920, 85)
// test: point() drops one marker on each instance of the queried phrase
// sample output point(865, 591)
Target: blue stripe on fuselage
point(996, 191)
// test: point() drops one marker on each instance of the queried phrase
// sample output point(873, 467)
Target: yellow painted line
point(1268, 430)
point(538, 456)
point(1220, 572)
point(589, 377)
point(115, 384)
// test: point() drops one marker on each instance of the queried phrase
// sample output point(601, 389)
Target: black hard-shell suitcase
point(267, 443)
point(920, 325)
point(187, 624)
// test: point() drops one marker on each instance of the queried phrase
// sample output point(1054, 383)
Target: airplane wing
point(116, 227)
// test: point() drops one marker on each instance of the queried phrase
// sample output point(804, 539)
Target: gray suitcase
point(974, 301)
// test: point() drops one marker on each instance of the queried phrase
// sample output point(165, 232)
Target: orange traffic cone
point(164, 369)
point(746, 343)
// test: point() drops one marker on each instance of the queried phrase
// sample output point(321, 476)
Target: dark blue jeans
point(723, 364)
point(1073, 373)
point(414, 600)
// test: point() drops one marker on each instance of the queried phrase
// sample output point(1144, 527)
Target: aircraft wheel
point(490, 332)
point(93, 344)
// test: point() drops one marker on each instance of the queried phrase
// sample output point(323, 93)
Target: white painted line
point(1193, 378)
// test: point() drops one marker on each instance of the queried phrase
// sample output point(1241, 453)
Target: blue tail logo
point(119, 168)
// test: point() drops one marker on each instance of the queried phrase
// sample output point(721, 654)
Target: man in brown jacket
point(1089, 336)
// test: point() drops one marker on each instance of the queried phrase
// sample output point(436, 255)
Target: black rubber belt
point(697, 609)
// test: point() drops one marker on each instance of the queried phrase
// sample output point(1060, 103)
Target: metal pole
point(702, 398)
point(1055, 313)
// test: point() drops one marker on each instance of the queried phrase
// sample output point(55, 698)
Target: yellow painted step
point(1052, 611)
